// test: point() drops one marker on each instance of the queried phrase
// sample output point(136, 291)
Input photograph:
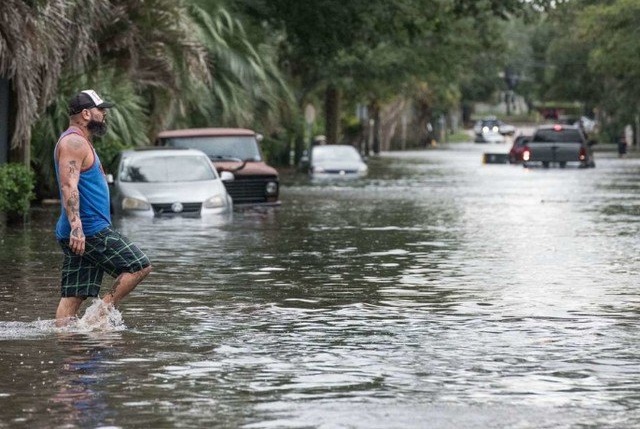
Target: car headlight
point(363, 169)
point(129, 203)
point(318, 169)
point(271, 188)
point(214, 202)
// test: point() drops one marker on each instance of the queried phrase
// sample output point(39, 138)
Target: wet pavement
point(438, 292)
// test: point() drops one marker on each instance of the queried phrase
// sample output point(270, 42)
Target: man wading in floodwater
point(90, 246)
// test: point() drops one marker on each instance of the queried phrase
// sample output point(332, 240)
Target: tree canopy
point(255, 63)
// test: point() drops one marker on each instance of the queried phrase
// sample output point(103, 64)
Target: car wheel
point(525, 165)
point(545, 164)
point(563, 164)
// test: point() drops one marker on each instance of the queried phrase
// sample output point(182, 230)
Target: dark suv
point(235, 150)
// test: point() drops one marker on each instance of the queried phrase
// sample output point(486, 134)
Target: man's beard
point(96, 128)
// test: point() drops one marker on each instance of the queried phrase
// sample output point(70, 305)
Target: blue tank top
point(94, 197)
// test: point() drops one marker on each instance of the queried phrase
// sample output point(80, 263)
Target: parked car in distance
point(336, 161)
point(518, 148)
point(160, 182)
point(558, 144)
point(235, 150)
point(490, 137)
point(491, 124)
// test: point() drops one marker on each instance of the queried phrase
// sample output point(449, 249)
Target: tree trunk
point(332, 114)
point(375, 115)
point(424, 118)
point(5, 119)
point(22, 152)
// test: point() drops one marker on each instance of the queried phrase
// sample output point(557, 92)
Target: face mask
point(96, 128)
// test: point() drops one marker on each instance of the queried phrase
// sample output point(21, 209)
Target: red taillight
point(526, 154)
point(583, 154)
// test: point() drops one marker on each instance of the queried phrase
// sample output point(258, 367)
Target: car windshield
point(166, 169)
point(335, 153)
point(557, 136)
point(222, 147)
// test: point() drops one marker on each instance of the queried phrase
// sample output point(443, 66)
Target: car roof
point(206, 132)
point(155, 151)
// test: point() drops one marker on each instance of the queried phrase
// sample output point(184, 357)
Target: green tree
point(612, 31)
point(374, 48)
point(248, 88)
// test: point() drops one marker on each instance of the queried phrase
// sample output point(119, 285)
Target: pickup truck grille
point(249, 189)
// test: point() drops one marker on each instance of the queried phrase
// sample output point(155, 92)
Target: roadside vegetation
point(376, 72)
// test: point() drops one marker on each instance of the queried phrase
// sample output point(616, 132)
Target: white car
point(168, 182)
point(492, 125)
point(336, 161)
point(492, 137)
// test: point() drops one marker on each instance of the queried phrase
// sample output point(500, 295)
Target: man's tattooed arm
point(73, 213)
point(71, 153)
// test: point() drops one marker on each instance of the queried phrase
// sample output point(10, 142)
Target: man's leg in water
point(80, 279)
point(121, 259)
point(124, 284)
point(67, 308)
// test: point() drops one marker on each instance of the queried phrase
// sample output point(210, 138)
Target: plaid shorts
point(107, 251)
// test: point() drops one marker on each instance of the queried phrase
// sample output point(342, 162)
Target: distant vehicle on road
point(336, 161)
point(558, 144)
point(494, 125)
point(518, 148)
point(490, 137)
point(158, 182)
point(234, 150)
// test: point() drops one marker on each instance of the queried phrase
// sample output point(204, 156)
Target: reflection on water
point(436, 290)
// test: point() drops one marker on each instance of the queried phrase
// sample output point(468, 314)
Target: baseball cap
point(86, 100)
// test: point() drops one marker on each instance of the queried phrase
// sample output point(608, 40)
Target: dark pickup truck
point(235, 150)
point(558, 144)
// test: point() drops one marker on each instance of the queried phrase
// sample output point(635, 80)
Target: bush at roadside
point(16, 189)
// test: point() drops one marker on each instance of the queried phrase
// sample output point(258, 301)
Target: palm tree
point(141, 54)
point(164, 63)
point(152, 42)
point(248, 87)
point(35, 41)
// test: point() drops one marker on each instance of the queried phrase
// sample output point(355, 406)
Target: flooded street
point(438, 292)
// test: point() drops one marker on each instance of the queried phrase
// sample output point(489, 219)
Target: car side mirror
point(227, 176)
point(110, 180)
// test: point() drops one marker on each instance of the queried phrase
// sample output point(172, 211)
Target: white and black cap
point(87, 99)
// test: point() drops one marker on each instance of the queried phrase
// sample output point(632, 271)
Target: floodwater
point(438, 292)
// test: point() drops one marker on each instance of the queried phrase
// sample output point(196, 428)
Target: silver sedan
point(172, 182)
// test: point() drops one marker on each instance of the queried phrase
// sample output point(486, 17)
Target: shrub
point(275, 151)
point(16, 189)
